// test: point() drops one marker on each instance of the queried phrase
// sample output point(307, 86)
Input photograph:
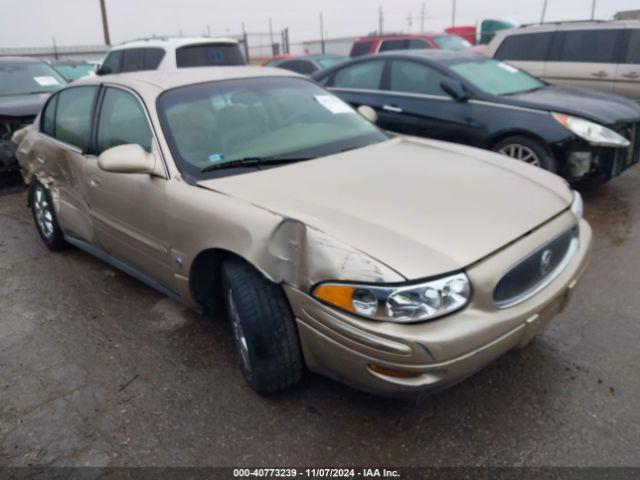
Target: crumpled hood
point(421, 207)
point(602, 107)
point(22, 105)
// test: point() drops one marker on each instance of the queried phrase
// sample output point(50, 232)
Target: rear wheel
point(45, 217)
point(526, 150)
point(263, 328)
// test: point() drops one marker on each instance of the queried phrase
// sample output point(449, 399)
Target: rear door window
point(209, 54)
point(122, 121)
point(364, 75)
point(531, 47)
point(633, 48)
point(361, 48)
point(305, 67)
point(132, 60)
point(152, 58)
point(413, 77)
point(590, 46)
point(418, 44)
point(73, 116)
point(388, 45)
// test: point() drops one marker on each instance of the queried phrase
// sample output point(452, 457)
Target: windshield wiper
point(252, 162)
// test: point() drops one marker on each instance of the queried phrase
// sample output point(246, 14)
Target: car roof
point(578, 25)
point(432, 54)
point(389, 36)
point(20, 60)
point(173, 42)
point(168, 79)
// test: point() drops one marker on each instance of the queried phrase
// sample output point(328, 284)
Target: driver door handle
point(631, 75)
point(600, 74)
point(392, 108)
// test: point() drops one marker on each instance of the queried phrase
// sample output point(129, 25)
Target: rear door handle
point(94, 181)
point(392, 108)
point(600, 74)
point(631, 75)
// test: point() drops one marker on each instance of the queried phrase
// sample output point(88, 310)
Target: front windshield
point(451, 42)
point(75, 71)
point(327, 62)
point(24, 78)
point(268, 118)
point(496, 78)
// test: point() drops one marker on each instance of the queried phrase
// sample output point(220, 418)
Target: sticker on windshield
point(47, 81)
point(333, 104)
point(216, 157)
point(508, 67)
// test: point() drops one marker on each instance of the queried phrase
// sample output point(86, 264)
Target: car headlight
point(592, 132)
point(577, 206)
point(404, 303)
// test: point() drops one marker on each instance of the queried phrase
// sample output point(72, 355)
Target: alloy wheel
point(43, 213)
point(238, 333)
point(520, 152)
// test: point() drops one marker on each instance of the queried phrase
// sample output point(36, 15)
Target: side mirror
point(369, 113)
point(128, 158)
point(455, 89)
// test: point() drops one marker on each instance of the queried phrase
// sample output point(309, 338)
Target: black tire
point(44, 215)
point(260, 314)
point(544, 158)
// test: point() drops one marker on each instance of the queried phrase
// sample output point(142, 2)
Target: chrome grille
point(536, 271)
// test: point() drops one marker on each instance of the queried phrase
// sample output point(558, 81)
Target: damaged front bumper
point(439, 353)
point(580, 160)
point(8, 127)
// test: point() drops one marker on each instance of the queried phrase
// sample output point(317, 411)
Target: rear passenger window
point(365, 75)
point(48, 117)
point(388, 45)
point(412, 77)
point(299, 66)
point(132, 60)
point(73, 116)
point(530, 47)
point(418, 44)
point(361, 48)
point(112, 63)
point(122, 121)
point(633, 47)
point(152, 58)
point(589, 46)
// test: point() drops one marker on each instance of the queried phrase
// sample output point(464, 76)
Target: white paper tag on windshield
point(333, 104)
point(47, 81)
point(508, 67)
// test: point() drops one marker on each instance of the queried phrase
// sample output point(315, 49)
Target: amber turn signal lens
point(392, 372)
point(338, 295)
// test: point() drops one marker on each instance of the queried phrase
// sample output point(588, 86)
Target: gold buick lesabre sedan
point(393, 264)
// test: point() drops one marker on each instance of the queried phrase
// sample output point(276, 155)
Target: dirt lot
point(98, 369)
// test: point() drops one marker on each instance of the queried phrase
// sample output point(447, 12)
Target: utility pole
point(322, 33)
point(380, 20)
point(105, 23)
point(208, 30)
point(273, 47)
point(409, 22)
point(544, 10)
point(422, 17)
point(55, 47)
point(453, 14)
point(593, 9)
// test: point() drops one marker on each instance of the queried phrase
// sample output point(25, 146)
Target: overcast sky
point(27, 23)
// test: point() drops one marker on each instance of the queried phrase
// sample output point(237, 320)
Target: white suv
point(170, 53)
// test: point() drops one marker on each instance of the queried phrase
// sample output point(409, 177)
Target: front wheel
point(526, 150)
point(263, 328)
point(45, 217)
